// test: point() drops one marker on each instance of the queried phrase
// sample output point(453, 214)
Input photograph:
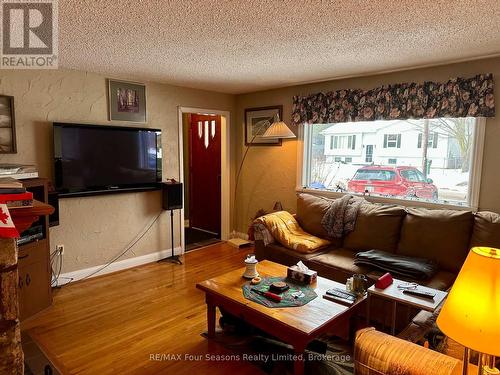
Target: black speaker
point(172, 195)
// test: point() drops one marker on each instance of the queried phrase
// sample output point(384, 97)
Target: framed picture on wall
point(127, 101)
point(257, 120)
point(7, 125)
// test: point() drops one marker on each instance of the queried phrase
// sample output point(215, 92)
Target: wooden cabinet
point(34, 280)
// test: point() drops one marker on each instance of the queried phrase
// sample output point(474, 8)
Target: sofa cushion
point(310, 212)
point(441, 235)
point(377, 227)
point(442, 280)
point(280, 254)
point(486, 231)
point(340, 259)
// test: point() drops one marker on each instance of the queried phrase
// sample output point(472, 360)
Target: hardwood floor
point(112, 324)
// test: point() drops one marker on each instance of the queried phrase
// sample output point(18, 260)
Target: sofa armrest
point(261, 233)
point(376, 353)
point(260, 250)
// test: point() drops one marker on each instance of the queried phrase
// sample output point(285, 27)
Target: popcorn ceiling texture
point(238, 46)
point(94, 229)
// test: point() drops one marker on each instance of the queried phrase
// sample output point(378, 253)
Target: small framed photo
point(7, 125)
point(127, 101)
point(257, 120)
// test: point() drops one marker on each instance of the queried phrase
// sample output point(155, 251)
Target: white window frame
point(343, 142)
point(431, 142)
point(395, 145)
point(304, 157)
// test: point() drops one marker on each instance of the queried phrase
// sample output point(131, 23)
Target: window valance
point(459, 97)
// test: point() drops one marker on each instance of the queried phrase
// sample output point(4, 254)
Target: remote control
point(337, 292)
point(420, 293)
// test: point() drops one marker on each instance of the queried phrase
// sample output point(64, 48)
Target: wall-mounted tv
point(95, 159)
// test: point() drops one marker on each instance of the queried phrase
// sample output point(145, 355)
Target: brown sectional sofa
point(442, 235)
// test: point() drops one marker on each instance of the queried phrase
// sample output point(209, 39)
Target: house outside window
point(446, 173)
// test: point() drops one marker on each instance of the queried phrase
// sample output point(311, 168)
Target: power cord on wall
point(130, 245)
point(56, 275)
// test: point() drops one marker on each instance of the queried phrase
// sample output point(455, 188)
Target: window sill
point(376, 199)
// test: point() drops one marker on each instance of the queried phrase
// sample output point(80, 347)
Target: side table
point(396, 295)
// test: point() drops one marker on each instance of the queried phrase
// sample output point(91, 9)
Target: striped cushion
point(377, 353)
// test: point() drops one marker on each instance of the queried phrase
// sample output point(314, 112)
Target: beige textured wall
point(269, 173)
point(94, 229)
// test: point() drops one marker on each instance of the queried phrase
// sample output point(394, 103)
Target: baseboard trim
point(241, 235)
point(117, 266)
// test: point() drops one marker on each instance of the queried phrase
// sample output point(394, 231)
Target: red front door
point(205, 173)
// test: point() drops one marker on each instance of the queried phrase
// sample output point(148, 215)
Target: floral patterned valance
point(459, 97)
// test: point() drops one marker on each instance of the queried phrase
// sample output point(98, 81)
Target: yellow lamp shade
point(471, 313)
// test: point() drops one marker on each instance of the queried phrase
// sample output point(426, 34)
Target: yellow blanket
point(288, 232)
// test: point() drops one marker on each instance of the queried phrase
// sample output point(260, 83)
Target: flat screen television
point(95, 159)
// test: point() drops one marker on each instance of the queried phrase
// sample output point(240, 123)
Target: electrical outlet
point(60, 249)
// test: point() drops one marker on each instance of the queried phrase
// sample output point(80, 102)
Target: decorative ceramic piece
point(251, 267)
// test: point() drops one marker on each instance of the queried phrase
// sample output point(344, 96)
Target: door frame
point(225, 166)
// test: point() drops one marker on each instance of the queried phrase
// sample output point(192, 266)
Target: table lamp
point(471, 313)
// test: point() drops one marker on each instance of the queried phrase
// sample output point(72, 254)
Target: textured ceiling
point(238, 46)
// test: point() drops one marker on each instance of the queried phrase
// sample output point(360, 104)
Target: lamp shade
point(471, 313)
point(278, 130)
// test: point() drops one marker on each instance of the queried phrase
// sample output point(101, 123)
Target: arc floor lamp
point(277, 130)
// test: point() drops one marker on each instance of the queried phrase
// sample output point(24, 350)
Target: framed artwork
point(7, 125)
point(257, 120)
point(127, 101)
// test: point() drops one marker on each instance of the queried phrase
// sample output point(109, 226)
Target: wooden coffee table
point(296, 326)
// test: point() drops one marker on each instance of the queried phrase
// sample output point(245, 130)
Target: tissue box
point(307, 277)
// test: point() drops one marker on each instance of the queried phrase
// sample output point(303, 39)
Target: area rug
point(328, 355)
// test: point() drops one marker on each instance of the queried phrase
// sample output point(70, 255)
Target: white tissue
point(250, 259)
point(302, 267)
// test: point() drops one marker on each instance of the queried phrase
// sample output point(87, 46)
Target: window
point(409, 175)
point(343, 142)
point(374, 175)
point(397, 168)
point(432, 141)
point(351, 142)
point(392, 140)
point(369, 154)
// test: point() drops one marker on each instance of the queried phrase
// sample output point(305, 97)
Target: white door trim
point(225, 166)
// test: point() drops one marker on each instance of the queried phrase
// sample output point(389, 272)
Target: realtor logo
point(29, 34)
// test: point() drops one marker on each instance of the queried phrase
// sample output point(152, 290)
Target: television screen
point(96, 159)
